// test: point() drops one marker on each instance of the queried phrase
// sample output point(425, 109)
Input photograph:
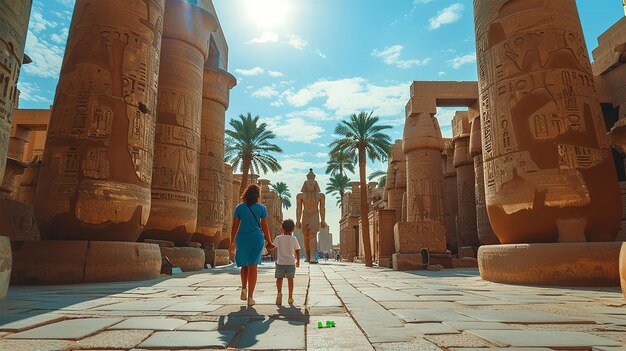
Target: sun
point(267, 13)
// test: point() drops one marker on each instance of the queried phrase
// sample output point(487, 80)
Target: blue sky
point(303, 65)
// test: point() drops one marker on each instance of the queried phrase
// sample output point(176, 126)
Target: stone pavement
point(374, 309)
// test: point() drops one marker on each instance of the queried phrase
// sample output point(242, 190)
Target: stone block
point(188, 259)
point(407, 262)
point(561, 264)
point(72, 262)
point(5, 265)
point(411, 237)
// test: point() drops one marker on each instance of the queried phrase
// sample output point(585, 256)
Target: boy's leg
point(290, 283)
point(279, 285)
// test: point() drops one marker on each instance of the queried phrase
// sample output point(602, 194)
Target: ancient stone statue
point(309, 209)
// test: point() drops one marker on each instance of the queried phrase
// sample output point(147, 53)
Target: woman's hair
point(251, 195)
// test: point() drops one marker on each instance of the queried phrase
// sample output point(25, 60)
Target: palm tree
point(339, 162)
point(382, 177)
point(248, 147)
point(362, 136)
point(283, 194)
point(338, 184)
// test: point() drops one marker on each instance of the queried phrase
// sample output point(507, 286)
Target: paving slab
point(480, 325)
point(520, 338)
point(188, 339)
point(17, 323)
point(150, 323)
point(464, 339)
point(114, 339)
point(273, 334)
point(72, 329)
point(430, 328)
point(522, 316)
point(34, 345)
point(501, 349)
point(200, 326)
point(345, 336)
point(417, 344)
point(192, 307)
point(431, 315)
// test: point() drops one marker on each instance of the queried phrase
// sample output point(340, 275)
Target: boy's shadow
point(240, 329)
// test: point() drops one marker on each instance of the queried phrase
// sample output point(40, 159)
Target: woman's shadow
point(241, 328)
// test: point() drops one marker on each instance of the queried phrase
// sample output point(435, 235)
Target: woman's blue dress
point(249, 240)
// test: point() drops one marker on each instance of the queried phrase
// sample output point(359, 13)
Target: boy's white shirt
point(286, 246)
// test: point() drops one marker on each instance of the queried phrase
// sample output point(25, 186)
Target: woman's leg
point(252, 272)
point(244, 277)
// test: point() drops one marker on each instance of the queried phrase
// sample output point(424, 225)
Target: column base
point(188, 259)
point(5, 265)
point(554, 264)
point(52, 262)
point(411, 237)
point(407, 262)
point(222, 257)
point(385, 262)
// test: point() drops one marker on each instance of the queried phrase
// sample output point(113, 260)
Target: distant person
point(326, 256)
point(288, 258)
point(337, 256)
point(246, 239)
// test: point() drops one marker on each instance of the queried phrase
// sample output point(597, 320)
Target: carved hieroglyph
point(464, 165)
point(17, 220)
point(486, 236)
point(14, 17)
point(186, 36)
point(396, 179)
point(450, 196)
point(216, 88)
point(228, 206)
point(97, 165)
point(549, 173)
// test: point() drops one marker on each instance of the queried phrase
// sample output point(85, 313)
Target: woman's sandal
point(251, 302)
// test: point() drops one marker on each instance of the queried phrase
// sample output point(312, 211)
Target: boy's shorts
point(285, 271)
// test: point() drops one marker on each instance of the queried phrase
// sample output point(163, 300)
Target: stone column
point(396, 179)
point(211, 186)
point(450, 198)
point(186, 35)
point(467, 235)
point(236, 194)
point(17, 143)
point(486, 235)
point(425, 226)
point(228, 206)
point(14, 17)
point(549, 173)
point(95, 178)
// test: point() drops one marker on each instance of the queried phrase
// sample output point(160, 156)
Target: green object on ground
point(319, 325)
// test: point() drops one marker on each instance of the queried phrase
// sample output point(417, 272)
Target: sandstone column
point(396, 179)
point(228, 206)
point(486, 235)
point(95, 178)
point(211, 186)
point(425, 226)
point(186, 35)
point(14, 17)
point(450, 197)
point(549, 173)
point(464, 164)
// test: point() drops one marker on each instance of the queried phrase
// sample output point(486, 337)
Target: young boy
point(286, 246)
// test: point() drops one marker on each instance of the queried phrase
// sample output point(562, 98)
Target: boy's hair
point(288, 225)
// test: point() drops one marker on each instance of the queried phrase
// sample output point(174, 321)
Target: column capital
point(217, 84)
point(190, 23)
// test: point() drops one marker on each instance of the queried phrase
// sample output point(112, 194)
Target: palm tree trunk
point(341, 192)
point(245, 171)
point(365, 232)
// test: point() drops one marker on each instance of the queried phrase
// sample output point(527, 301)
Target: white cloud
point(448, 15)
point(296, 41)
point(61, 37)
point(38, 23)
point(353, 95)
point(459, 61)
point(31, 91)
point(311, 113)
point(441, 73)
point(415, 2)
point(275, 74)
point(321, 155)
point(265, 92)
point(295, 129)
point(250, 72)
point(47, 57)
point(68, 3)
point(266, 37)
point(319, 53)
point(391, 56)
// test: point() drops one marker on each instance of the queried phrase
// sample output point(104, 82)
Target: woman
point(249, 227)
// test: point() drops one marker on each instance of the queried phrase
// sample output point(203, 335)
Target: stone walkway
point(374, 309)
